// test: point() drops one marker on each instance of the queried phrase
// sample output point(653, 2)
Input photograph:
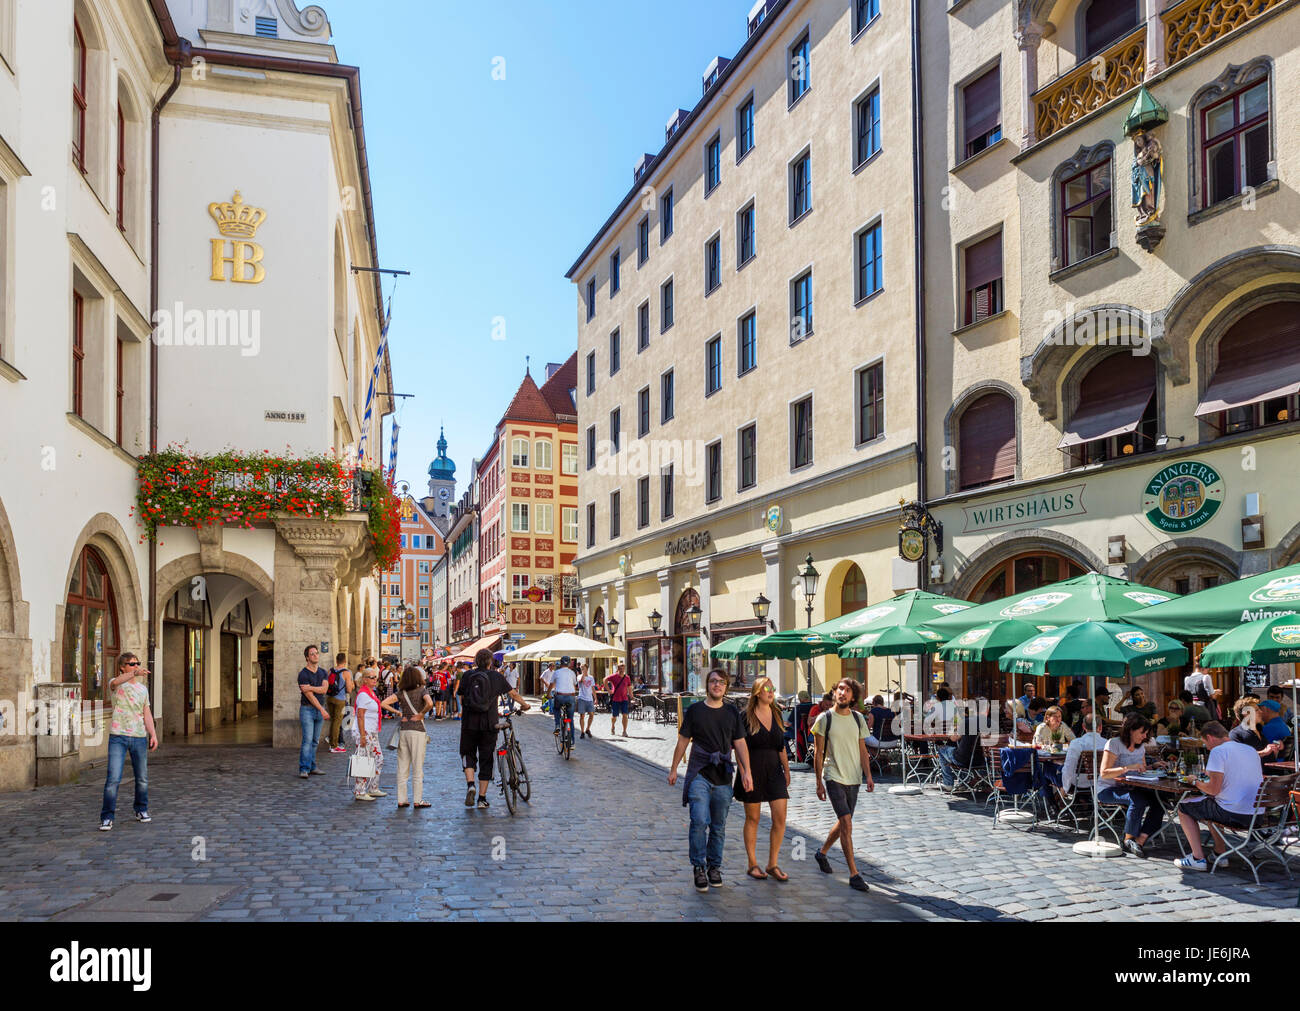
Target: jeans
point(709, 806)
point(947, 755)
point(118, 748)
point(1144, 811)
point(560, 703)
point(312, 721)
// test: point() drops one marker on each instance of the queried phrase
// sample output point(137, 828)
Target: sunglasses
point(134, 663)
point(768, 688)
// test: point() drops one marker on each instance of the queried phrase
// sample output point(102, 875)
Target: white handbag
point(361, 765)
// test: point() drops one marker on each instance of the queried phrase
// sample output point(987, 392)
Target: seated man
point(1090, 740)
point(959, 753)
point(1271, 725)
point(1229, 796)
point(1276, 694)
point(1195, 716)
point(1026, 725)
point(880, 719)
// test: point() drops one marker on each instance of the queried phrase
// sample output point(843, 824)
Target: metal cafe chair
point(1262, 839)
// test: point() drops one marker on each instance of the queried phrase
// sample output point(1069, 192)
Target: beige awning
point(1240, 385)
point(1104, 418)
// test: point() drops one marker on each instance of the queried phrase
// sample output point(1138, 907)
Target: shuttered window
point(1258, 375)
point(986, 440)
point(983, 279)
point(982, 108)
point(1109, 21)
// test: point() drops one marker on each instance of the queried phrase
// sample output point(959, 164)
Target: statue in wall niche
point(1148, 170)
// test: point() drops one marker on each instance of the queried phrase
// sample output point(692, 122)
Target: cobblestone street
point(605, 838)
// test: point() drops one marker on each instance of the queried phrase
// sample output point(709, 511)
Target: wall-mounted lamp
point(1117, 550)
point(1162, 440)
point(613, 628)
point(656, 621)
point(762, 607)
point(1252, 532)
point(936, 571)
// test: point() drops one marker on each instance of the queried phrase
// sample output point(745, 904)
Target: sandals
point(756, 874)
point(422, 805)
point(777, 874)
point(403, 805)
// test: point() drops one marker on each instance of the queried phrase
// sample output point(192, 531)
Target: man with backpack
point(340, 690)
point(479, 691)
point(840, 736)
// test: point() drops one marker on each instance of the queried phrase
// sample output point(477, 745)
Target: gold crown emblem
point(236, 219)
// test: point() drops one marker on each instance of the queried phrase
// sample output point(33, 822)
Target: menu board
point(1254, 679)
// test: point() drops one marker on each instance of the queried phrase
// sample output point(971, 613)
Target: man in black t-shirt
point(712, 728)
point(311, 712)
point(479, 691)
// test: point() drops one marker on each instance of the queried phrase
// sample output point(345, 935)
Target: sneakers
point(1190, 863)
point(378, 793)
point(317, 772)
point(857, 884)
point(107, 826)
point(304, 775)
point(701, 877)
point(362, 796)
point(822, 862)
point(469, 797)
point(143, 817)
point(1133, 848)
point(715, 877)
point(337, 751)
point(482, 802)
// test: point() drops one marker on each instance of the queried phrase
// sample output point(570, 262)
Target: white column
point(1155, 37)
point(704, 568)
point(777, 594)
point(1027, 38)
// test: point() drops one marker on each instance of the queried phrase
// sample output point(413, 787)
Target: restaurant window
point(799, 68)
point(1116, 415)
point(591, 524)
point(643, 327)
point(801, 433)
point(1107, 21)
point(712, 264)
point(801, 307)
point(867, 128)
point(986, 442)
point(800, 186)
point(713, 366)
point(745, 129)
point(591, 372)
point(1086, 210)
point(1235, 143)
point(615, 355)
point(982, 262)
point(712, 164)
point(643, 413)
point(747, 344)
point(745, 246)
point(982, 113)
point(666, 406)
point(1256, 382)
point(90, 632)
point(870, 395)
point(869, 253)
point(643, 241)
point(713, 472)
point(642, 502)
point(1024, 574)
point(666, 306)
point(747, 457)
point(666, 493)
point(615, 515)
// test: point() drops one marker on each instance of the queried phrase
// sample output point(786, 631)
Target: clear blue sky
point(488, 190)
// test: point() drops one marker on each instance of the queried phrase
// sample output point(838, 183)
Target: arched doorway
point(853, 597)
point(687, 669)
point(91, 643)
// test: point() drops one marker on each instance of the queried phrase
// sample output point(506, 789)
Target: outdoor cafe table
point(924, 748)
point(1279, 768)
point(1170, 793)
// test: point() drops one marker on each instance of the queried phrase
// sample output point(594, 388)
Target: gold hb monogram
point(240, 223)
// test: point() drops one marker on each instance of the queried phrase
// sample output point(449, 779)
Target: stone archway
point(1162, 562)
point(17, 755)
point(1287, 551)
point(1018, 542)
point(106, 536)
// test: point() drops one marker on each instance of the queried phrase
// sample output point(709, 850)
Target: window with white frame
point(543, 518)
point(569, 458)
point(542, 455)
point(569, 520)
point(519, 452)
point(519, 517)
point(519, 583)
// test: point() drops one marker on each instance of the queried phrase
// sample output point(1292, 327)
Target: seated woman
point(1052, 733)
point(881, 719)
point(1136, 702)
point(1125, 754)
point(1247, 731)
point(1175, 722)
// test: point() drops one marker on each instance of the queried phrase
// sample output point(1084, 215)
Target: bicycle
point(513, 774)
point(564, 739)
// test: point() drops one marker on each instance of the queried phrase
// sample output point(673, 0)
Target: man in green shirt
point(841, 754)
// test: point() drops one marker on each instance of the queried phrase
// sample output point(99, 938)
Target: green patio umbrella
point(1090, 597)
point(1095, 649)
point(740, 647)
point(1220, 609)
point(909, 610)
point(1268, 640)
point(988, 642)
point(897, 641)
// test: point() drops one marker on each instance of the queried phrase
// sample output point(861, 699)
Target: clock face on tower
point(442, 494)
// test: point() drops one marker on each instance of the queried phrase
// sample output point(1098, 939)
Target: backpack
point(826, 737)
point(335, 681)
point(478, 697)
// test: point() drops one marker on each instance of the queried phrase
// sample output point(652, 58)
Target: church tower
point(442, 485)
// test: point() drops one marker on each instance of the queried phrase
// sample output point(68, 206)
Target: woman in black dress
point(765, 737)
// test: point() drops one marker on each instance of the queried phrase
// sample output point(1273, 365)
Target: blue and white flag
point(392, 457)
point(374, 382)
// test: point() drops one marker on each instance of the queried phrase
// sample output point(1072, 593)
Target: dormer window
point(267, 28)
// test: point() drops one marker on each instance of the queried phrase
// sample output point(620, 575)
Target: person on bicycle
point(479, 691)
point(564, 687)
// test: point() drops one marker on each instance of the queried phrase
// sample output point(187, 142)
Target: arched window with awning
point(986, 441)
point(1116, 416)
point(1257, 381)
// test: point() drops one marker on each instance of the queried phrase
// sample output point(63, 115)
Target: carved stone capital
point(1029, 35)
point(328, 549)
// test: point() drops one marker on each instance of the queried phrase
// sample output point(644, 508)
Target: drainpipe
point(918, 283)
point(155, 197)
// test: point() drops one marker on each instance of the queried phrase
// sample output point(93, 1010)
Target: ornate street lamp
point(656, 621)
point(693, 614)
point(598, 630)
point(809, 577)
point(613, 628)
point(579, 628)
point(762, 607)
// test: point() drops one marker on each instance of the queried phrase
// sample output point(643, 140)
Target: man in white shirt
point(564, 683)
point(1089, 741)
point(1235, 776)
point(511, 674)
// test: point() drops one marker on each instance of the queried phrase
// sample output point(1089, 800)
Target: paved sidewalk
point(944, 855)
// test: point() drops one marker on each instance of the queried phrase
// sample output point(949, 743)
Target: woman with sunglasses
point(130, 733)
point(770, 769)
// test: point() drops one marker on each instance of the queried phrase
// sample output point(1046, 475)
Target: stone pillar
point(778, 595)
point(1028, 37)
point(704, 568)
point(1155, 37)
point(311, 556)
point(665, 599)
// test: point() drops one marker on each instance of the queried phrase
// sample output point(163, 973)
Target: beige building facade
point(746, 350)
point(1125, 401)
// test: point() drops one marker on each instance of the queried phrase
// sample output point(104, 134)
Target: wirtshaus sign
point(1035, 508)
point(1182, 497)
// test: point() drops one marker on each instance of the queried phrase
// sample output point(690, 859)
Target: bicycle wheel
point(559, 742)
point(568, 740)
point(508, 783)
point(525, 785)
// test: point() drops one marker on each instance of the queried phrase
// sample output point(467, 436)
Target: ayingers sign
point(1018, 510)
point(690, 544)
point(1182, 497)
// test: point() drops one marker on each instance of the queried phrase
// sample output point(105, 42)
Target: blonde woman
point(1052, 733)
point(770, 769)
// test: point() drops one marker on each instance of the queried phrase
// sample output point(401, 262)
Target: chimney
point(713, 71)
point(674, 122)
